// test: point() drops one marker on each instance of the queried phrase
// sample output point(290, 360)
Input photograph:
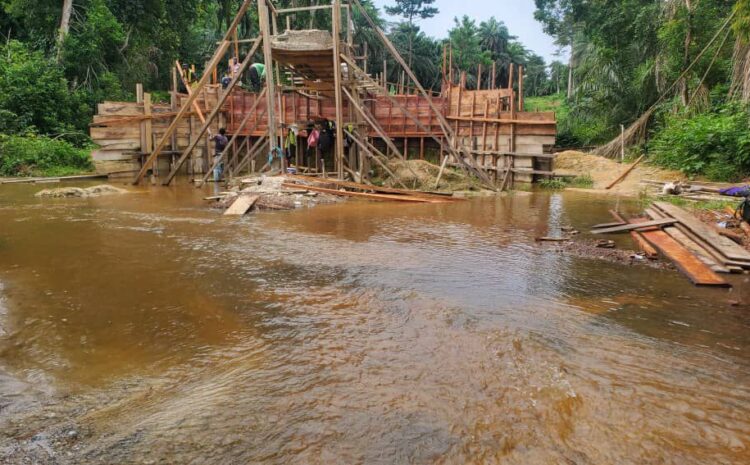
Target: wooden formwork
point(483, 130)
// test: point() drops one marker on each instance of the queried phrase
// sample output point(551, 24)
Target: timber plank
point(242, 205)
point(634, 226)
point(698, 272)
point(722, 244)
point(378, 197)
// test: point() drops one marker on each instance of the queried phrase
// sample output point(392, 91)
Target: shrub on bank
point(33, 155)
point(715, 144)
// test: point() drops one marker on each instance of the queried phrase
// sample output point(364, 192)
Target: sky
point(518, 15)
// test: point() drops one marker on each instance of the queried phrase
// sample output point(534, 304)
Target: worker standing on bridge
point(257, 75)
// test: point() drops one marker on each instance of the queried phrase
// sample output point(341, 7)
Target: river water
point(147, 328)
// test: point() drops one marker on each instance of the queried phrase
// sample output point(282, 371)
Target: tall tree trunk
point(570, 76)
point(684, 87)
point(67, 11)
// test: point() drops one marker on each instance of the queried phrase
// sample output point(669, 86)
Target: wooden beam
point(337, 87)
point(441, 119)
point(631, 227)
point(367, 149)
point(502, 121)
point(168, 133)
point(222, 99)
point(236, 134)
point(378, 197)
point(220, 52)
point(727, 248)
point(268, 59)
point(625, 173)
point(196, 107)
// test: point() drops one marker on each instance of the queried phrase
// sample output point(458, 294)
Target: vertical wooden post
point(337, 87)
point(366, 58)
point(270, 85)
point(421, 148)
point(450, 63)
point(406, 148)
point(493, 78)
point(520, 89)
point(479, 77)
point(512, 140)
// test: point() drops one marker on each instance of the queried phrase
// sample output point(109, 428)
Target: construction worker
point(220, 143)
point(257, 75)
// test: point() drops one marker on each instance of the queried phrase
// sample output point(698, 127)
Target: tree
point(410, 10)
point(495, 38)
point(467, 47)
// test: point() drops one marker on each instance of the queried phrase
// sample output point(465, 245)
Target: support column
point(337, 88)
point(265, 30)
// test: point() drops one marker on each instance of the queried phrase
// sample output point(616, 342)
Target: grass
point(582, 182)
point(35, 155)
point(554, 102)
point(646, 200)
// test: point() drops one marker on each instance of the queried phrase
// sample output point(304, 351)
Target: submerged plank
point(242, 205)
point(698, 272)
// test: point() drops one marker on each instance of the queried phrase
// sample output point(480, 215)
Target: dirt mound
point(96, 191)
point(604, 170)
point(421, 175)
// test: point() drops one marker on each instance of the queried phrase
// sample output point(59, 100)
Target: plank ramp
point(242, 205)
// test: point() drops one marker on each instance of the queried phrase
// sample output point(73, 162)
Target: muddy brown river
point(146, 328)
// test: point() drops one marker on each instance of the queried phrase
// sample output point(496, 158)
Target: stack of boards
point(698, 250)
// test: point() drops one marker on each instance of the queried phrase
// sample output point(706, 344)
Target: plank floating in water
point(242, 205)
point(634, 226)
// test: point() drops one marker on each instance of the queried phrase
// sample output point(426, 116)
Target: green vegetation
point(683, 63)
point(584, 182)
point(32, 155)
point(714, 143)
point(687, 61)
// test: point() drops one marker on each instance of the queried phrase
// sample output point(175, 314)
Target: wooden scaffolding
point(323, 75)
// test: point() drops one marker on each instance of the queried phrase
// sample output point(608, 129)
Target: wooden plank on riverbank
point(697, 271)
point(634, 226)
point(725, 246)
point(242, 205)
point(368, 187)
point(364, 195)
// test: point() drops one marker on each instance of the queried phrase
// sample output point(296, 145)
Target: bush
point(35, 95)
point(34, 155)
point(715, 143)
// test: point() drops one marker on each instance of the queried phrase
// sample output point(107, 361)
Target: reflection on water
point(147, 328)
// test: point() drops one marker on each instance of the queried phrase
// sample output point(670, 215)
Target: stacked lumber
point(720, 252)
point(697, 250)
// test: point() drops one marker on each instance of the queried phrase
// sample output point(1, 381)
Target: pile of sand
point(96, 191)
point(604, 170)
point(421, 175)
